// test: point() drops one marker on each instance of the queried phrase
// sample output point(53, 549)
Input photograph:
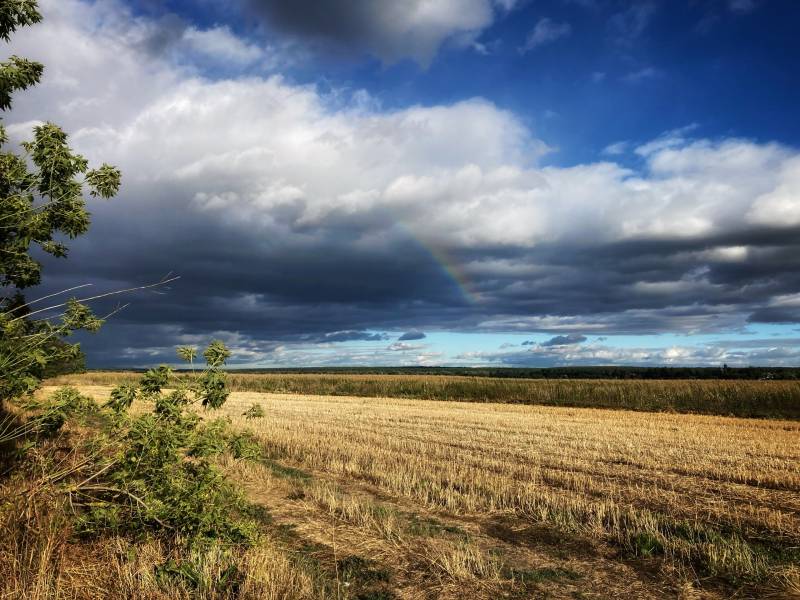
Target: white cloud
point(457, 175)
point(616, 148)
point(221, 45)
point(546, 31)
point(279, 162)
point(754, 352)
point(780, 206)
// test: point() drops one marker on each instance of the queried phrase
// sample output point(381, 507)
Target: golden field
point(397, 498)
point(740, 398)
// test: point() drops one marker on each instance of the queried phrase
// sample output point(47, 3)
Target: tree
point(42, 190)
point(140, 474)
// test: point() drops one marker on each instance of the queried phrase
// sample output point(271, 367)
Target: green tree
point(42, 187)
point(149, 474)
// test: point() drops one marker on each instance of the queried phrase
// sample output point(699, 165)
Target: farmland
point(372, 496)
point(769, 399)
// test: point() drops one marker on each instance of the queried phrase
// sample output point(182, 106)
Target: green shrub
point(256, 411)
point(158, 476)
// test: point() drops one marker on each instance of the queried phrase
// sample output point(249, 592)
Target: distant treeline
point(607, 372)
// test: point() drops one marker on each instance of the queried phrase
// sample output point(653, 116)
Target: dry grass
point(763, 399)
point(41, 558)
point(717, 494)
point(396, 498)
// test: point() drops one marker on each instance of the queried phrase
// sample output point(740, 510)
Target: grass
point(408, 498)
point(761, 399)
point(712, 494)
point(42, 559)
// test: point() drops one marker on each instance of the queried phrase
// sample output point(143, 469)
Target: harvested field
point(762, 399)
point(421, 499)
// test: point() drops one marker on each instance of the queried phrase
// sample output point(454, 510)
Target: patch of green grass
point(285, 472)
point(528, 576)
point(646, 544)
point(377, 595)
point(428, 527)
point(361, 570)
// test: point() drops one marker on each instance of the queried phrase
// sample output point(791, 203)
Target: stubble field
point(404, 498)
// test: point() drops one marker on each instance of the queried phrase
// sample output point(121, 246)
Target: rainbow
point(452, 269)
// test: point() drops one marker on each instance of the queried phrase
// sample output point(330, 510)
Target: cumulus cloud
point(403, 347)
point(389, 30)
point(616, 148)
point(564, 340)
point(757, 352)
point(293, 213)
point(220, 44)
point(546, 31)
point(412, 335)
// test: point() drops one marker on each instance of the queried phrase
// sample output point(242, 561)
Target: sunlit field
point(769, 399)
point(379, 497)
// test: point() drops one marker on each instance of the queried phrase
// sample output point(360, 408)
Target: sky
point(432, 182)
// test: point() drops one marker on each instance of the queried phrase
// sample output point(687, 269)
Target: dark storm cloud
point(389, 30)
point(162, 35)
point(294, 223)
point(412, 335)
point(662, 284)
point(315, 288)
point(348, 22)
point(564, 340)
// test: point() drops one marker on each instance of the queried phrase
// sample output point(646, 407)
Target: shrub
point(256, 411)
point(157, 475)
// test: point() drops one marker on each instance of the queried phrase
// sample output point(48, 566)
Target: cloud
point(391, 31)
point(403, 347)
point(643, 74)
point(295, 213)
point(564, 340)
point(546, 31)
point(351, 336)
point(412, 335)
point(742, 6)
point(220, 44)
point(616, 148)
point(628, 25)
point(758, 353)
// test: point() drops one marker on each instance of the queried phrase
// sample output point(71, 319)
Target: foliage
point(157, 474)
point(148, 473)
point(256, 411)
point(41, 201)
point(187, 353)
point(65, 359)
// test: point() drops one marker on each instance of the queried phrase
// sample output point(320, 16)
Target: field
point(764, 399)
point(369, 496)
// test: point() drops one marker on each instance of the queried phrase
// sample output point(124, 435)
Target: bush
point(256, 411)
point(156, 475)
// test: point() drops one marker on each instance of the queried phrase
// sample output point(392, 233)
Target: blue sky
point(523, 182)
point(615, 71)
